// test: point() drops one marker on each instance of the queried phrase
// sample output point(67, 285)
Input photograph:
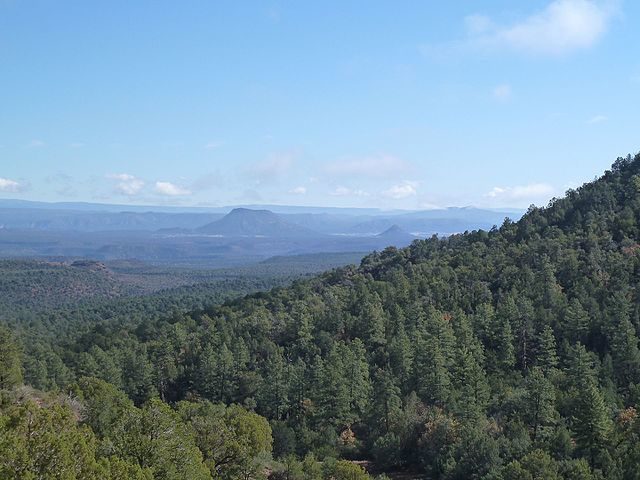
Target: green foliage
point(10, 360)
point(154, 437)
point(539, 402)
point(37, 442)
point(504, 354)
point(235, 443)
point(104, 405)
point(344, 470)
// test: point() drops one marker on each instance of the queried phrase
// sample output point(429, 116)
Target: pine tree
point(374, 318)
point(386, 406)
point(592, 423)
point(470, 384)
point(137, 373)
point(539, 401)
point(503, 343)
point(333, 399)
point(580, 367)
point(576, 322)
point(166, 369)
point(215, 376)
point(546, 354)
point(524, 333)
point(625, 354)
point(109, 371)
point(273, 398)
point(401, 356)
point(506, 318)
point(225, 374)
point(433, 380)
point(10, 360)
point(304, 342)
point(440, 327)
point(357, 378)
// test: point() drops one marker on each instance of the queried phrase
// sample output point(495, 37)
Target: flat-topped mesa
point(244, 222)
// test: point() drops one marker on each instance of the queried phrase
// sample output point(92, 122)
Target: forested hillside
point(30, 286)
point(507, 354)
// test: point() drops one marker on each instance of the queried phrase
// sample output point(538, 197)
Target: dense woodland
point(507, 354)
point(31, 286)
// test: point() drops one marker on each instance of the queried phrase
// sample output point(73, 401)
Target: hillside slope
point(504, 354)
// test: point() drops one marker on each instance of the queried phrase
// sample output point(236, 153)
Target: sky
point(385, 104)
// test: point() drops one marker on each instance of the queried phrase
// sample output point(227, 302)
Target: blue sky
point(346, 103)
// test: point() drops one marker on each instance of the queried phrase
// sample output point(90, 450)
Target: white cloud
point(298, 190)
point(533, 191)
point(36, 144)
point(403, 190)
point(127, 184)
point(502, 92)
point(76, 145)
point(213, 145)
point(374, 166)
point(562, 27)
point(348, 192)
point(171, 189)
point(10, 186)
point(597, 119)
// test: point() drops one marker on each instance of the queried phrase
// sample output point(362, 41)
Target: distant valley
point(218, 237)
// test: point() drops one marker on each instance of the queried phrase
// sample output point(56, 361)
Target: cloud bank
point(531, 192)
point(126, 184)
point(171, 189)
point(11, 186)
point(403, 190)
point(562, 27)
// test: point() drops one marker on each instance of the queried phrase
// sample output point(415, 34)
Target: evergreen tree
point(386, 405)
point(591, 420)
point(576, 322)
point(10, 360)
point(592, 424)
point(333, 398)
point(273, 399)
point(401, 356)
point(539, 409)
point(524, 333)
point(625, 354)
point(501, 341)
point(137, 373)
point(357, 378)
point(546, 353)
point(433, 380)
point(471, 391)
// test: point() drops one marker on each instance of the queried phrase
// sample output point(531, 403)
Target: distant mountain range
point(208, 239)
point(278, 221)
